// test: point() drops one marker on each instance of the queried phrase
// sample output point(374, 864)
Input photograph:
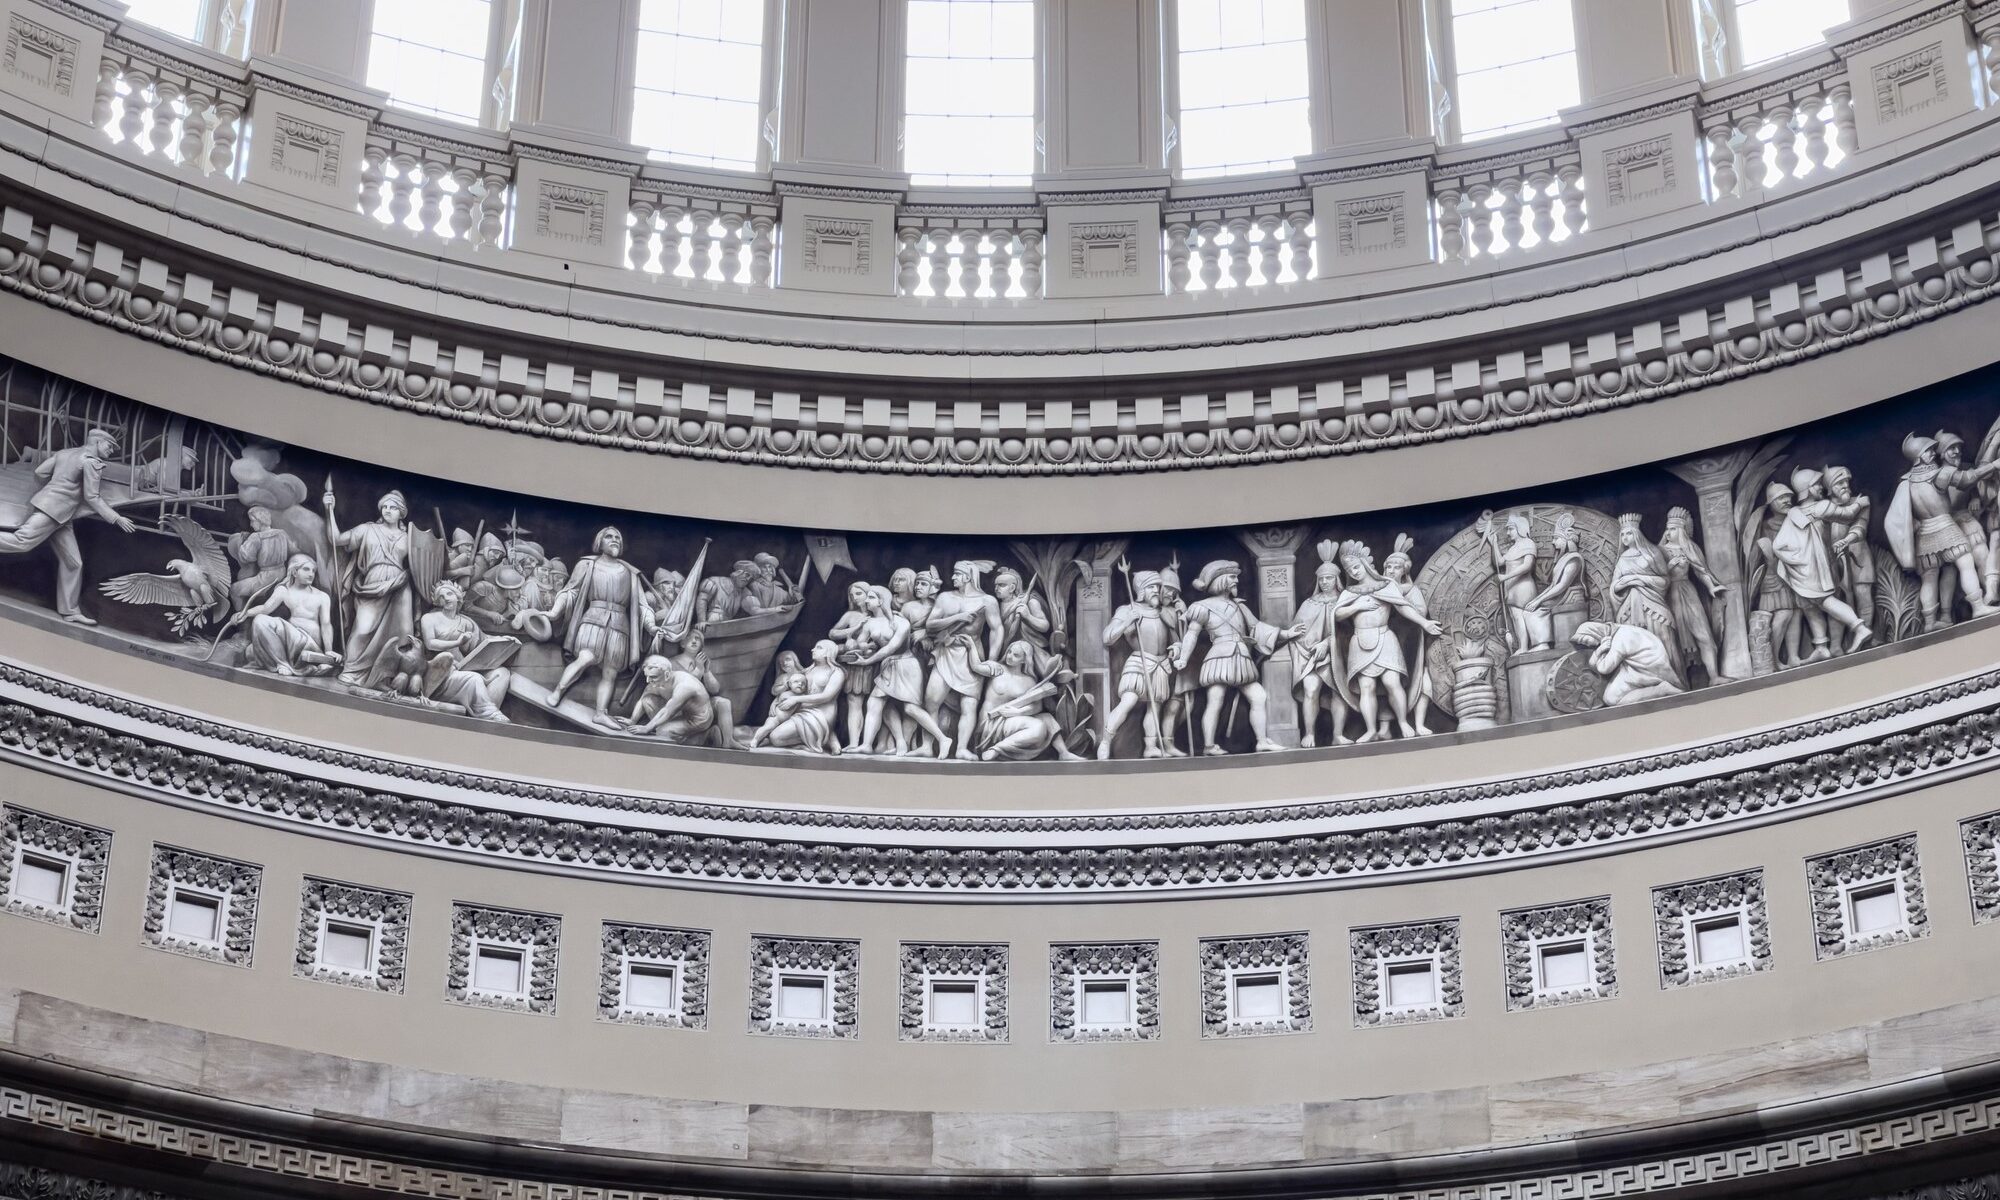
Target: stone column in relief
point(1628, 45)
point(1277, 551)
point(1713, 478)
point(1365, 71)
point(576, 65)
point(1102, 112)
point(842, 92)
point(1095, 599)
point(330, 36)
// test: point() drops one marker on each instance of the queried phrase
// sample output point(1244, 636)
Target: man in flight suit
point(69, 481)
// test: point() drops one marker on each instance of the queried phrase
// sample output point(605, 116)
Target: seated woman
point(295, 644)
point(450, 637)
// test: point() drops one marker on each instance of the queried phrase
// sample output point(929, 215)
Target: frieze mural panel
point(183, 539)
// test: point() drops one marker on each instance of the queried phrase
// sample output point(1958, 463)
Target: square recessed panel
point(195, 917)
point(650, 986)
point(1107, 1002)
point(1719, 940)
point(955, 1003)
point(1258, 998)
point(43, 881)
point(802, 998)
point(499, 970)
point(1412, 985)
point(347, 946)
point(1565, 966)
point(1875, 908)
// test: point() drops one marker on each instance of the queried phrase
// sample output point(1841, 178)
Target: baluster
point(1842, 99)
point(193, 150)
point(1002, 257)
point(670, 238)
point(1989, 54)
point(434, 174)
point(701, 242)
point(1784, 141)
point(1210, 233)
point(1542, 203)
point(1177, 258)
point(763, 241)
point(1031, 263)
point(1811, 115)
point(1569, 178)
point(133, 123)
point(1480, 213)
point(374, 174)
point(222, 136)
point(1269, 263)
point(1510, 214)
point(165, 93)
point(969, 256)
point(1239, 251)
point(938, 259)
point(907, 257)
point(400, 185)
point(1750, 148)
point(732, 247)
point(1298, 232)
point(492, 210)
point(462, 179)
point(1721, 161)
point(101, 110)
point(639, 239)
point(1451, 224)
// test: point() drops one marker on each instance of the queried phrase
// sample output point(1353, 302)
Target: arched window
point(1512, 65)
point(699, 81)
point(1737, 35)
point(969, 92)
point(432, 57)
point(1243, 89)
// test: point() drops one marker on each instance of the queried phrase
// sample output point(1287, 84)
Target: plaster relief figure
point(1634, 662)
point(1017, 724)
point(965, 629)
point(1474, 657)
point(1691, 589)
point(1179, 708)
point(374, 581)
point(1235, 639)
point(773, 587)
point(1775, 598)
point(1023, 616)
point(459, 651)
point(1803, 547)
point(608, 610)
point(260, 555)
point(1375, 658)
point(899, 678)
point(301, 641)
point(848, 633)
point(682, 703)
point(1853, 558)
point(727, 597)
point(1514, 566)
point(1926, 535)
point(1316, 655)
point(1566, 598)
point(1639, 589)
point(807, 723)
point(68, 484)
point(195, 587)
point(1396, 569)
point(1146, 683)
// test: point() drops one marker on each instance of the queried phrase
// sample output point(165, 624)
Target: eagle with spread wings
point(197, 586)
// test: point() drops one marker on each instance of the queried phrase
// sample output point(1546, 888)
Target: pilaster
point(1365, 61)
point(1103, 107)
point(1277, 551)
point(577, 63)
point(1631, 45)
point(329, 36)
point(841, 99)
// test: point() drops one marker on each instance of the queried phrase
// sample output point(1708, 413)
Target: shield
point(428, 558)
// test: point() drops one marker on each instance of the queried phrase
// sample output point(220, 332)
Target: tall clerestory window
point(431, 56)
point(1737, 35)
point(1243, 89)
point(182, 18)
point(1513, 65)
point(969, 92)
point(700, 81)
point(221, 25)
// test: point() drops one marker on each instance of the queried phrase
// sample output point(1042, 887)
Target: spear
point(333, 539)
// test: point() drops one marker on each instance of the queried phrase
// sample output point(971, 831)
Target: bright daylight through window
point(969, 95)
point(698, 81)
point(1243, 104)
point(1514, 63)
point(431, 57)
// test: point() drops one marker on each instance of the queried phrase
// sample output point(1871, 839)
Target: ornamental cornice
point(1910, 24)
point(1835, 761)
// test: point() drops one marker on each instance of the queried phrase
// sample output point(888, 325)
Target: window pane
point(182, 18)
point(1242, 85)
point(1768, 29)
point(431, 57)
point(969, 92)
point(700, 81)
point(1516, 64)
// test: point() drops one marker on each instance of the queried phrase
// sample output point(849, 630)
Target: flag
point(679, 617)
point(828, 550)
